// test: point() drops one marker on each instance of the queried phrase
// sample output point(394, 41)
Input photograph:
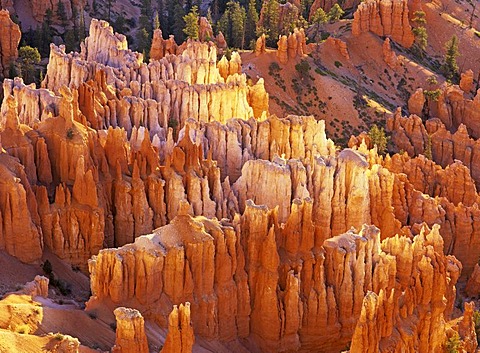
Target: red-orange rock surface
point(292, 46)
point(249, 216)
point(9, 40)
point(384, 18)
point(180, 337)
point(130, 332)
point(161, 47)
point(312, 311)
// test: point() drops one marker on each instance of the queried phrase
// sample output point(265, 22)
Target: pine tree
point(305, 6)
point(420, 32)
point(170, 21)
point(450, 66)
point(28, 57)
point(81, 27)
point(62, 14)
point(289, 22)
point(46, 33)
point(378, 138)
point(109, 9)
point(161, 14)
point(335, 13)
point(70, 41)
point(319, 19)
point(210, 19)
point(191, 24)
point(232, 24)
point(143, 42)
point(251, 22)
point(178, 23)
point(119, 25)
point(271, 18)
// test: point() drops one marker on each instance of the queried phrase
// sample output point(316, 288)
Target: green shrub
point(453, 344)
point(379, 138)
point(274, 67)
point(476, 321)
point(338, 64)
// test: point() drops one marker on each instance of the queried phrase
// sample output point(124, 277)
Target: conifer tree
point(290, 17)
point(46, 33)
point(191, 24)
point(156, 21)
point(335, 13)
point(62, 14)
point(232, 24)
point(28, 57)
point(420, 32)
point(251, 22)
point(378, 138)
point(178, 23)
point(319, 19)
point(271, 17)
point(450, 67)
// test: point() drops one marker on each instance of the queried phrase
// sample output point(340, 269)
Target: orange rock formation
point(130, 332)
point(180, 336)
point(292, 46)
point(384, 18)
point(278, 240)
point(9, 40)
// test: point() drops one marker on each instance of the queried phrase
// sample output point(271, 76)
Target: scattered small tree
point(47, 267)
point(453, 343)
point(420, 33)
point(28, 58)
point(303, 69)
point(472, 16)
point(450, 66)
point(335, 13)
point(379, 138)
point(191, 23)
point(319, 19)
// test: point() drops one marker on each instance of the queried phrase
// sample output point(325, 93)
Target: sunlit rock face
point(385, 18)
point(192, 207)
point(238, 276)
point(9, 40)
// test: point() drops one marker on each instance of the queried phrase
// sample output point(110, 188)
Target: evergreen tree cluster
point(238, 20)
